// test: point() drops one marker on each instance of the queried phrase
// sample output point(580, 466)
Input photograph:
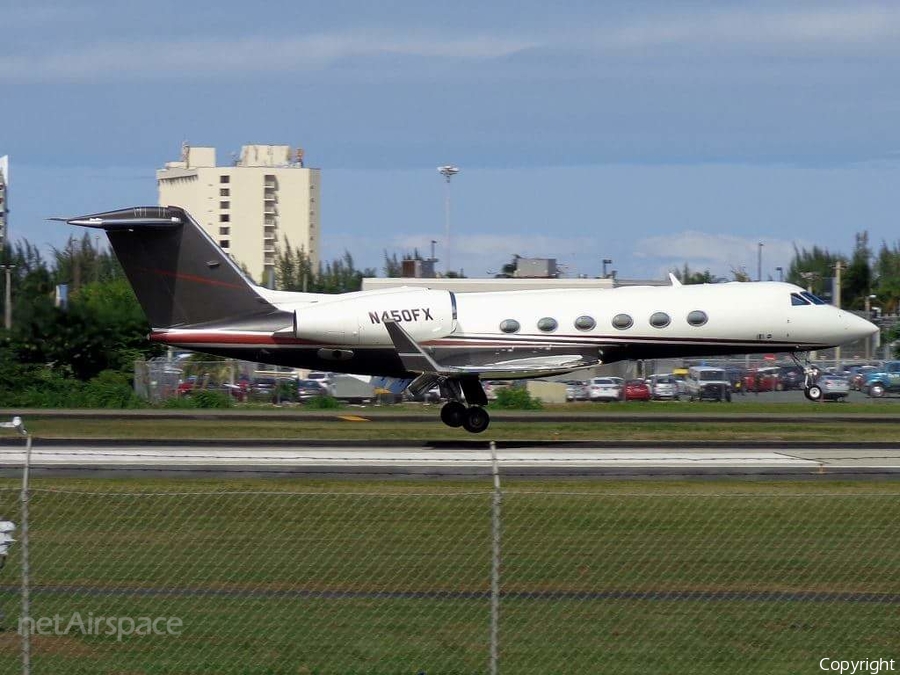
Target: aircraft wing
point(416, 360)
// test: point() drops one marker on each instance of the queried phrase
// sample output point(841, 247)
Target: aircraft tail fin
point(179, 274)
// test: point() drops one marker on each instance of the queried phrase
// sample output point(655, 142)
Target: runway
point(445, 459)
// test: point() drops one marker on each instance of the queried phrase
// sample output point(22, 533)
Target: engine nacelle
point(359, 320)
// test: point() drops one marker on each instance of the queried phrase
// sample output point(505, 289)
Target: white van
point(705, 382)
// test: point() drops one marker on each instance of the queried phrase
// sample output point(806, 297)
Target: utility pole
point(7, 308)
point(759, 261)
point(868, 317)
point(838, 266)
point(447, 171)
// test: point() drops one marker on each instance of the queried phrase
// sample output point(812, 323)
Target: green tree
point(688, 276)
point(857, 281)
point(813, 268)
point(887, 284)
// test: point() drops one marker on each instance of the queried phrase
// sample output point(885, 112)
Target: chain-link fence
point(181, 575)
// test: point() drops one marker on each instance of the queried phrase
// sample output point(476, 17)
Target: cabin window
point(697, 318)
point(547, 324)
point(622, 321)
point(509, 326)
point(660, 320)
point(797, 300)
point(585, 322)
point(813, 299)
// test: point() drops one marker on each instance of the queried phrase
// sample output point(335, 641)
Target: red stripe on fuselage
point(225, 338)
point(191, 277)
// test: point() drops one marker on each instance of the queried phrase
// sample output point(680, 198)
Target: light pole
point(759, 261)
point(868, 317)
point(606, 261)
point(447, 171)
point(7, 308)
point(780, 271)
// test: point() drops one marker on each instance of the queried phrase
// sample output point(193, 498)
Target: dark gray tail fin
point(179, 274)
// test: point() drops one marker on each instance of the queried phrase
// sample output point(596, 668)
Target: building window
point(224, 218)
point(224, 231)
point(622, 321)
point(224, 179)
point(225, 205)
point(509, 326)
point(585, 322)
point(697, 318)
point(224, 192)
point(223, 243)
point(547, 324)
point(660, 320)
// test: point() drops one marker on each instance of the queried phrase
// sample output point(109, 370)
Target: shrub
point(322, 403)
point(200, 399)
point(516, 398)
point(110, 389)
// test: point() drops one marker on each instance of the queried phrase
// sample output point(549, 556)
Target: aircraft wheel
point(453, 414)
point(814, 393)
point(476, 420)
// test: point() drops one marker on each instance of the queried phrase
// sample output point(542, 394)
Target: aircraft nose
point(857, 327)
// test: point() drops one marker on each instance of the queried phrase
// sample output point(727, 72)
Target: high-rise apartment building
point(263, 203)
point(4, 208)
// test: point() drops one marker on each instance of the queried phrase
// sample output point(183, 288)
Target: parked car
point(761, 379)
point(834, 387)
point(576, 390)
point(860, 375)
point(706, 382)
point(885, 381)
point(325, 379)
point(604, 389)
point(310, 389)
point(636, 390)
point(789, 378)
point(663, 387)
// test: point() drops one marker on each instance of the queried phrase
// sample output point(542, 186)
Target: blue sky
point(652, 133)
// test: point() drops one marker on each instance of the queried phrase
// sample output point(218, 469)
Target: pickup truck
point(885, 381)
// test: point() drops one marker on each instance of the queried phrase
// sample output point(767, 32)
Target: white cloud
point(719, 253)
point(247, 55)
point(823, 25)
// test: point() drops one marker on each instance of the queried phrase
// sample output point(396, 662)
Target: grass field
point(281, 576)
point(620, 421)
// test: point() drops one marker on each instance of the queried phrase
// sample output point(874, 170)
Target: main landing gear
point(473, 418)
point(811, 389)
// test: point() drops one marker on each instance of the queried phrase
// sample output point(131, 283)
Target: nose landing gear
point(811, 390)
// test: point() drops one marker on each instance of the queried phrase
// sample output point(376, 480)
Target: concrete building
point(261, 204)
point(4, 208)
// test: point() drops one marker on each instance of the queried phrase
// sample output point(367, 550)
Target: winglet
point(674, 280)
point(411, 354)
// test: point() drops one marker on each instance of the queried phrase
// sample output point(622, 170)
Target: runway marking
point(175, 455)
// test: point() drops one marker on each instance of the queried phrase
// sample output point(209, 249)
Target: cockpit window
point(797, 300)
point(813, 299)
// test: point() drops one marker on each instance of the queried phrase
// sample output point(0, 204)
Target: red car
point(761, 379)
point(636, 390)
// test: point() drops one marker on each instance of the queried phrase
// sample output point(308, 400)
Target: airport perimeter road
point(587, 459)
